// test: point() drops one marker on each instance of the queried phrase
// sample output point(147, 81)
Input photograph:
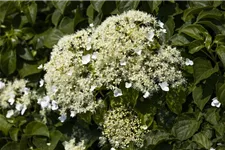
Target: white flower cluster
point(68, 79)
point(15, 97)
point(124, 49)
point(121, 127)
point(71, 145)
point(130, 50)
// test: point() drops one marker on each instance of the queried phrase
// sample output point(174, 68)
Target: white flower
point(161, 24)
point(123, 62)
point(92, 88)
point(24, 109)
point(19, 107)
point(54, 89)
point(44, 102)
point(72, 114)
point(212, 148)
point(26, 91)
point(164, 86)
point(41, 66)
point(163, 30)
point(70, 73)
point(62, 118)
point(10, 113)
point(91, 25)
point(146, 95)
point(48, 144)
point(11, 101)
point(88, 46)
point(128, 85)
point(94, 55)
point(2, 85)
point(189, 62)
point(117, 92)
point(112, 148)
point(86, 59)
point(138, 51)
point(144, 127)
point(215, 102)
point(41, 83)
point(151, 34)
point(54, 105)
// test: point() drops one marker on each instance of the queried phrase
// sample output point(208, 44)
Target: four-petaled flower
point(215, 102)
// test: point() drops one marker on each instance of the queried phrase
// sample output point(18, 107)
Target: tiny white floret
point(54, 105)
point(215, 102)
point(146, 95)
point(72, 114)
point(117, 92)
point(2, 85)
point(212, 148)
point(138, 51)
point(91, 25)
point(24, 109)
point(41, 83)
point(86, 59)
point(189, 62)
point(123, 63)
point(11, 101)
point(10, 113)
point(94, 55)
point(164, 86)
point(112, 148)
point(160, 24)
point(62, 118)
point(92, 88)
point(151, 34)
point(41, 66)
point(128, 85)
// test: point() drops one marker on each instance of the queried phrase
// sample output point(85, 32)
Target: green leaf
point(179, 40)
point(219, 128)
point(90, 13)
point(175, 98)
point(206, 14)
point(212, 116)
point(199, 99)
point(127, 5)
point(40, 142)
point(97, 5)
point(25, 53)
point(27, 33)
point(156, 137)
point(29, 68)
point(195, 31)
point(203, 69)
point(11, 146)
point(220, 50)
point(202, 140)
point(36, 128)
point(154, 5)
point(219, 39)
point(66, 25)
point(60, 5)
point(185, 128)
point(4, 125)
point(13, 132)
point(220, 92)
point(56, 16)
point(31, 12)
point(191, 12)
point(8, 60)
point(4, 9)
point(195, 46)
point(55, 136)
point(52, 37)
point(78, 17)
point(169, 25)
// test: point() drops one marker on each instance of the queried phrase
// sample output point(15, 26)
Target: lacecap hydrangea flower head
point(130, 49)
point(68, 75)
point(15, 96)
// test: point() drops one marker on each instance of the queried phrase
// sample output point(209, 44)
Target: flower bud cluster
point(122, 127)
point(71, 145)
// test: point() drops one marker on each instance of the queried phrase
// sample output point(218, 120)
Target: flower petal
point(117, 92)
point(86, 59)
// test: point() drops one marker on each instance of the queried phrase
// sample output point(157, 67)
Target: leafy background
point(181, 119)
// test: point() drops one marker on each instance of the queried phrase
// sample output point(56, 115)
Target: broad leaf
point(203, 69)
point(36, 128)
point(185, 128)
point(52, 37)
point(157, 136)
point(205, 14)
point(195, 31)
point(78, 17)
point(60, 5)
point(66, 25)
point(4, 125)
point(55, 136)
point(31, 12)
point(97, 5)
point(174, 100)
point(154, 5)
point(202, 140)
point(195, 46)
point(199, 99)
point(8, 60)
point(123, 6)
point(13, 132)
point(212, 116)
point(220, 50)
point(56, 16)
point(219, 39)
point(220, 92)
point(180, 40)
point(11, 146)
